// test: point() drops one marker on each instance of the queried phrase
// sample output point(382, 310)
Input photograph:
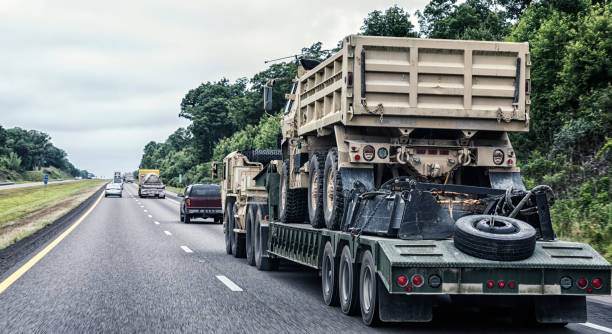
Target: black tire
point(292, 204)
point(227, 217)
point(105, 195)
point(368, 285)
point(315, 182)
point(187, 219)
point(495, 244)
point(348, 291)
point(263, 156)
point(181, 216)
point(250, 235)
point(329, 276)
point(333, 200)
point(238, 241)
point(262, 262)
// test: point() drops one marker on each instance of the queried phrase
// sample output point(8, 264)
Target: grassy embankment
point(24, 211)
point(37, 175)
point(175, 189)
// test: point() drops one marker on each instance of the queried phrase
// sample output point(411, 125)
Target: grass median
point(24, 211)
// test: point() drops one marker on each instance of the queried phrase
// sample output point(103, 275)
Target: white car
point(113, 189)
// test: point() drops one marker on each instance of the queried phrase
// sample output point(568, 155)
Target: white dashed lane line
point(598, 327)
point(167, 232)
point(145, 210)
point(156, 222)
point(228, 282)
point(186, 249)
point(150, 216)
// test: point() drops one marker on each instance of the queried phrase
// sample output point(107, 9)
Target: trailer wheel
point(368, 300)
point(238, 243)
point(315, 189)
point(333, 199)
point(292, 201)
point(262, 262)
point(329, 281)
point(227, 217)
point(507, 239)
point(250, 236)
point(347, 283)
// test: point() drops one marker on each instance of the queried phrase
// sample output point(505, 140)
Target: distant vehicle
point(150, 184)
point(201, 201)
point(113, 189)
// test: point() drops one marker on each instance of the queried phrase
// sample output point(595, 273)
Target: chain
point(358, 234)
point(378, 111)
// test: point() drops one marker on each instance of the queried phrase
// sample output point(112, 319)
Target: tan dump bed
point(418, 83)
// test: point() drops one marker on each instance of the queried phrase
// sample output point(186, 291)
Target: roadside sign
point(46, 178)
point(181, 178)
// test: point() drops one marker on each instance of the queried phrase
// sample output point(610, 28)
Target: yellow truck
point(150, 183)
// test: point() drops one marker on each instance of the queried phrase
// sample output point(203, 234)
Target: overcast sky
point(103, 78)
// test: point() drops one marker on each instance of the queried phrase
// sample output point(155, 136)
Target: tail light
point(490, 284)
point(597, 283)
point(511, 285)
point(582, 283)
point(417, 280)
point(402, 280)
point(432, 152)
point(443, 152)
point(188, 201)
point(368, 152)
point(357, 157)
point(501, 284)
point(421, 151)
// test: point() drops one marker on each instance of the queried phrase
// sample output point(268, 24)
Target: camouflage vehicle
point(238, 189)
point(396, 151)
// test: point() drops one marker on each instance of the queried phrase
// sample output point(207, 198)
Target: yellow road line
point(17, 274)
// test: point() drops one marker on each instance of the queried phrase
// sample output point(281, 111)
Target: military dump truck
point(398, 182)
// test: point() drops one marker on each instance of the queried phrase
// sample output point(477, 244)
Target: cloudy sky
point(103, 78)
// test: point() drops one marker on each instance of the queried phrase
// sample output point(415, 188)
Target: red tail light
point(582, 283)
point(511, 284)
point(188, 202)
point(417, 280)
point(501, 284)
point(597, 283)
point(432, 151)
point(357, 157)
point(420, 151)
point(444, 152)
point(490, 284)
point(402, 280)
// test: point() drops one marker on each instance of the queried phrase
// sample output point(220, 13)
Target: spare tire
point(507, 239)
point(263, 156)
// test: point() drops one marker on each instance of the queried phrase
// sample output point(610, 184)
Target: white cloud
point(105, 77)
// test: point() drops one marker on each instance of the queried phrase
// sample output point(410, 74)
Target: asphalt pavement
point(131, 266)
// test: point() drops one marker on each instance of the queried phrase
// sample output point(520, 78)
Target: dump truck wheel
point(368, 300)
point(333, 199)
point(227, 217)
point(329, 276)
point(348, 283)
point(508, 239)
point(315, 189)
point(262, 156)
point(238, 242)
point(262, 262)
point(250, 236)
point(292, 201)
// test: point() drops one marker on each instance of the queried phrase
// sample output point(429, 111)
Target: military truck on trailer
point(397, 153)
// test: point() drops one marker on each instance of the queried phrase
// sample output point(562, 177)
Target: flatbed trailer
point(539, 282)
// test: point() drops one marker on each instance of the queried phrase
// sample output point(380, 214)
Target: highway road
point(131, 266)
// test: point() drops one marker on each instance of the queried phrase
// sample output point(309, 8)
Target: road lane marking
point(167, 232)
point(228, 282)
point(595, 326)
point(23, 269)
point(156, 222)
point(150, 216)
point(186, 249)
point(173, 200)
point(145, 210)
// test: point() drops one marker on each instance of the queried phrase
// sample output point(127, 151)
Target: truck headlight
point(368, 152)
point(498, 157)
point(383, 153)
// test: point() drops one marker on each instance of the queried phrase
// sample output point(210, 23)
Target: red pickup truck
point(201, 201)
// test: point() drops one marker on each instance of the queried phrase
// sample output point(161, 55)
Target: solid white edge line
point(595, 326)
point(228, 282)
point(173, 200)
point(167, 232)
point(150, 216)
point(186, 249)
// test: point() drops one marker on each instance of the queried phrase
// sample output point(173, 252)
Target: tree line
point(26, 150)
point(569, 144)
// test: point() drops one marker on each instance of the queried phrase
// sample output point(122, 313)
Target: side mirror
point(268, 98)
point(214, 170)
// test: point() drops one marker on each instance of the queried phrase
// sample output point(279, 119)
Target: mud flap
point(505, 180)
point(560, 309)
point(352, 175)
point(265, 232)
point(402, 308)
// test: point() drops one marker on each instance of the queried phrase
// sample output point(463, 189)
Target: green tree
point(393, 22)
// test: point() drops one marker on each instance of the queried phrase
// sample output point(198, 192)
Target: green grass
point(18, 203)
point(175, 189)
